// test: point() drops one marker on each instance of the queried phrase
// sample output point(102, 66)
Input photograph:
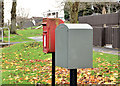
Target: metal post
point(8, 36)
point(73, 77)
point(53, 69)
point(2, 35)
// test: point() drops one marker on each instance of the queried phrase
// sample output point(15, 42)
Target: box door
point(45, 42)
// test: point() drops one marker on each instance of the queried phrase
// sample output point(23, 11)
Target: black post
point(53, 69)
point(73, 77)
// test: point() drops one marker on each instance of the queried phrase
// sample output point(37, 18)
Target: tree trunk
point(13, 17)
point(74, 12)
point(1, 14)
point(104, 12)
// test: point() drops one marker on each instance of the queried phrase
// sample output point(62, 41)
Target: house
point(54, 14)
point(24, 22)
point(37, 20)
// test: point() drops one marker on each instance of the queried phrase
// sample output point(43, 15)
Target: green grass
point(108, 62)
point(24, 57)
point(104, 58)
point(25, 63)
point(22, 35)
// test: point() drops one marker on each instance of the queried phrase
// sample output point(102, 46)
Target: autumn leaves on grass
point(25, 63)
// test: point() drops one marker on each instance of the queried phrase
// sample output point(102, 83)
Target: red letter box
point(49, 26)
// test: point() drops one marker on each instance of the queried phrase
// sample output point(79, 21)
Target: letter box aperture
point(49, 26)
point(73, 46)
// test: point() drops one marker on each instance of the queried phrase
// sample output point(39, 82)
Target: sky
point(33, 7)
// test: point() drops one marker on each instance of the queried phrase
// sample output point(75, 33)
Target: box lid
point(78, 26)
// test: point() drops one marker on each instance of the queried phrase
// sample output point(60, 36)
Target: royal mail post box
point(49, 26)
point(73, 46)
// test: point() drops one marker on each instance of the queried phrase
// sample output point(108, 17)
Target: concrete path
point(97, 49)
point(6, 44)
point(39, 38)
point(20, 42)
point(106, 50)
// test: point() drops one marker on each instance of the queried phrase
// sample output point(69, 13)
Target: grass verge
point(23, 34)
point(25, 63)
point(21, 63)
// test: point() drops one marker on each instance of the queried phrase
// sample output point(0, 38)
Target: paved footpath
point(35, 38)
point(97, 49)
point(20, 42)
point(106, 50)
point(39, 38)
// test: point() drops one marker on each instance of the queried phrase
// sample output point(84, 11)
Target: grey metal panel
point(61, 48)
point(80, 49)
point(73, 47)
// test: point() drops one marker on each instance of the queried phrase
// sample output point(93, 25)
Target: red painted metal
point(49, 26)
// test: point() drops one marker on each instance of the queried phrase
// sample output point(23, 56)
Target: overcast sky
point(34, 7)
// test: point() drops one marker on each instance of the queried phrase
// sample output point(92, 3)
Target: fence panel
point(116, 38)
point(108, 35)
point(103, 36)
point(99, 20)
point(98, 36)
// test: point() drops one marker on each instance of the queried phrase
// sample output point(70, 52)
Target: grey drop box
point(73, 46)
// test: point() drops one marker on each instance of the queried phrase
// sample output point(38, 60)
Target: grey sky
point(34, 7)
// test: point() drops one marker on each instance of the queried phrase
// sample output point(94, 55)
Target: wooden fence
point(108, 35)
point(104, 35)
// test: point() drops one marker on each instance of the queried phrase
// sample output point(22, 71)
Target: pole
point(2, 35)
point(53, 69)
point(73, 77)
point(8, 36)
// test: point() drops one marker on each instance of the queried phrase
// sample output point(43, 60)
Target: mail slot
point(49, 26)
point(73, 46)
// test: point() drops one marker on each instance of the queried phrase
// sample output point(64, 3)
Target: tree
point(85, 9)
point(22, 16)
point(81, 9)
point(115, 7)
point(70, 9)
point(74, 12)
point(67, 11)
point(73, 9)
point(22, 12)
point(13, 17)
point(1, 13)
point(66, 15)
point(109, 7)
